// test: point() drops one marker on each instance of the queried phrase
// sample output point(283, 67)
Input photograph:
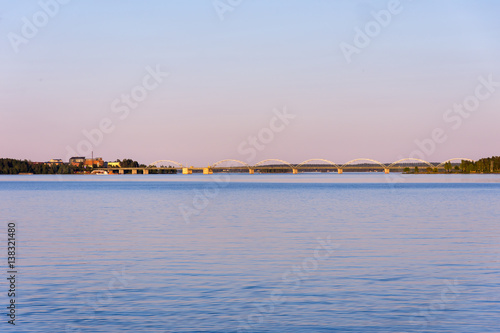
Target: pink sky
point(225, 78)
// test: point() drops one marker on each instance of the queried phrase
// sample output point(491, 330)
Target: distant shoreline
point(81, 165)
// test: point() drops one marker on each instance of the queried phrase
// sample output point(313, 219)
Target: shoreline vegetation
point(9, 166)
point(483, 165)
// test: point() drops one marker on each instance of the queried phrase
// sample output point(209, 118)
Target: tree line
point(129, 163)
point(483, 165)
point(9, 166)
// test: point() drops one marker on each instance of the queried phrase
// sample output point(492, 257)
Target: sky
point(200, 81)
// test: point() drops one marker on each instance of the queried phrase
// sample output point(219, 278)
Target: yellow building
point(113, 164)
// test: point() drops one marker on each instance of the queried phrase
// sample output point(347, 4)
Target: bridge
point(278, 165)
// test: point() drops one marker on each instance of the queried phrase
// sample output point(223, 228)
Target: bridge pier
point(207, 171)
point(295, 171)
point(251, 171)
point(340, 171)
point(145, 171)
point(134, 171)
point(386, 170)
point(186, 171)
point(121, 171)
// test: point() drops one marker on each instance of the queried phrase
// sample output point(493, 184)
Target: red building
point(96, 162)
point(87, 162)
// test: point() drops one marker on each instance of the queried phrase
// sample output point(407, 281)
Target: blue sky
point(225, 78)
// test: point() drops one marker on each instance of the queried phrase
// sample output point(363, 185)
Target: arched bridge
point(279, 165)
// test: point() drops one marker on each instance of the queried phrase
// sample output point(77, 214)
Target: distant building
point(55, 161)
point(75, 161)
point(96, 162)
point(113, 164)
point(87, 162)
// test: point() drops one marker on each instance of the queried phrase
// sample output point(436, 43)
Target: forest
point(9, 166)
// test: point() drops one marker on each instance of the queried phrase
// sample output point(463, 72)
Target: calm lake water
point(253, 253)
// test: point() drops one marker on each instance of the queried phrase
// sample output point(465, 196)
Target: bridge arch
point(317, 159)
point(230, 160)
point(411, 159)
point(273, 159)
point(364, 159)
point(170, 161)
point(454, 159)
